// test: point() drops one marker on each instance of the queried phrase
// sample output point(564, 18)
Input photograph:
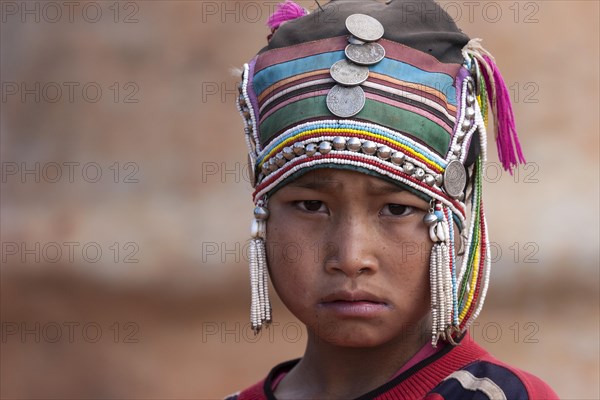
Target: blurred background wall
point(125, 200)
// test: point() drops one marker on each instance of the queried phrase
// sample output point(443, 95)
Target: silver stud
point(398, 157)
point(408, 168)
point(460, 135)
point(298, 148)
point(369, 147)
point(466, 125)
point(339, 143)
point(261, 213)
point(288, 153)
point(273, 165)
point(439, 179)
point(470, 99)
point(429, 180)
point(324, 147)
point(353, 144)
point(265, 168)
point(456, 149)
point(280, 160)
point(470, 113)
point(384, 152)
point(419, 174)
point(470, 85)
point(311, 149)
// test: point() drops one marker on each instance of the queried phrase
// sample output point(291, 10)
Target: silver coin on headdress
point(353, 40)
point(349, 74)
point(365, 54)
point(345, 101)
point(364, 27)
point(455, 179)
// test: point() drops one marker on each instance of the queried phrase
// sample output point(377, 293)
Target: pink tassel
point(285, 12)
point(509, 148)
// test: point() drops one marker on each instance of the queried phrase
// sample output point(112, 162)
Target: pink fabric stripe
point(410, 108)
point(394, 51)
point(292, 100)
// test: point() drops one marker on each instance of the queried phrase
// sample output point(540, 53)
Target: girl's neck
point(330, 371)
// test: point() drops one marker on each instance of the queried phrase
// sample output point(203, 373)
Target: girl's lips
point(360, 308)
point(354, 304)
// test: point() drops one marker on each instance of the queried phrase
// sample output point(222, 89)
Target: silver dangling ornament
point(260, 308)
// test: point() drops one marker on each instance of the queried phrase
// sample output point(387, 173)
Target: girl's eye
point(396, 210)
point(312, 205)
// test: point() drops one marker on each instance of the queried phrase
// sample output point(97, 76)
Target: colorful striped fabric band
point(409, 91)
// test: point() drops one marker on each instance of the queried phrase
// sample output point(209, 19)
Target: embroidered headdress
point(381, 89)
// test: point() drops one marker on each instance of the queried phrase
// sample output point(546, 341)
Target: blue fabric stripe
point(395, 69)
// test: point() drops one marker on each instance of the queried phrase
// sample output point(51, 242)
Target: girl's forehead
point(346, 183)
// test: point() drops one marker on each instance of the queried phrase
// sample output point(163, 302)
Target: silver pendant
point(348, 74)
point(364, 27)
point(365, 54)
point(345, 101)
point(455, 179)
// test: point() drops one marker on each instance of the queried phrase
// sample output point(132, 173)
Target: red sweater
point(461, 372)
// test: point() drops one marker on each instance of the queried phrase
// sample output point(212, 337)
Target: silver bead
point(298, 148)
point(280, 160)
point(311, 149)
point(398, 157)
point(273, 165)
point(265, 168)
point(466, 125)
point(353, 144)
point(430, 219)
point(429, 180)
point(369, 147)
point(261, 213)
point(384, 152)
point(470, 113)
point(419, 174)
point(288, 153)
point(408, 168)
point(439, 179)
point(460, 135)
point(339, 143)
point(470, 85)
point(470, 99)
point(456, 149)
point(324, 147)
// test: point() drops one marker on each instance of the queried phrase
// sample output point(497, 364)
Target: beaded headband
point(355, 96)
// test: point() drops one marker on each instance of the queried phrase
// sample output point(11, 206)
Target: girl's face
point(348, 254)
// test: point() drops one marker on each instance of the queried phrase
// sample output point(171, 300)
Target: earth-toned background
point(125, 201)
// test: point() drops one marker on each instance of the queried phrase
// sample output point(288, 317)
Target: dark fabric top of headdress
point(422, 25)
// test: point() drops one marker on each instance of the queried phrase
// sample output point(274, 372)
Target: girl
point(365, 123)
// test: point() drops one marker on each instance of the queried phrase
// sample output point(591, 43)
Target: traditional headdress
point(381, 89)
